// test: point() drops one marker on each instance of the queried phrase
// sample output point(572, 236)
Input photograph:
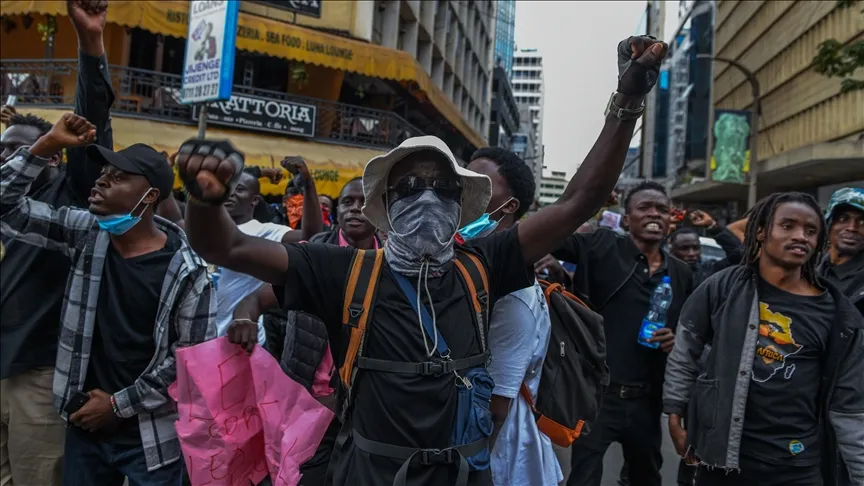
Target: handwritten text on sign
point(241, 417)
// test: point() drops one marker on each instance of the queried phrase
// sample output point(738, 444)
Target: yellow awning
point(278, 39)
point(331, 165)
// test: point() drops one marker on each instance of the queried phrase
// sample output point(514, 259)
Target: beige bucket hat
point(476, 188)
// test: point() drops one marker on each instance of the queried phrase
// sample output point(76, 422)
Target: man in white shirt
point(519, 332)
point(231, 286)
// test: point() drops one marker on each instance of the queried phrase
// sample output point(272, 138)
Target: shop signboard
point(263, 114)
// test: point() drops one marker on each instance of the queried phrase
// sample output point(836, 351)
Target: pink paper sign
point(241, 417)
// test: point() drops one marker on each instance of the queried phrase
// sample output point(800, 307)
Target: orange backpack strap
point(477, 282)
point(526, 394)
point(359, 297)
point(552, 287)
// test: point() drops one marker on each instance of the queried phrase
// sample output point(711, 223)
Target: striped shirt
point(186, 314)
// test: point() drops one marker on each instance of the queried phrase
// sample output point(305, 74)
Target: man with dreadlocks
point(779, 399)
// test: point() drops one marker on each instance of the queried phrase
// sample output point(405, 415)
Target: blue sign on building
point(208, 69)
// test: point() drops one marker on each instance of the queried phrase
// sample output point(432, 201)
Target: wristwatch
point(622, 113)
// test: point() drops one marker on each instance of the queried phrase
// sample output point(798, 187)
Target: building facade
point(552, 187)
point(368, 79)
point(452, 42)
point(525, 144)
point(809, 133)
point(528, 86)
point(504, 119)
point(505, 35)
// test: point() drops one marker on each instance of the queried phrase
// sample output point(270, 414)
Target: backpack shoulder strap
point(552, 287)
point(357, 307)
point(476, 280)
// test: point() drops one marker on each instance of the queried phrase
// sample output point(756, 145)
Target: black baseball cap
point(139, 159)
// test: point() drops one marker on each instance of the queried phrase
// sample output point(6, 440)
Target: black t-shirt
point(32, 284)
point(123, 342)
point(848, 277)
point(781, 422)
point(398, 409)
point(630, 363)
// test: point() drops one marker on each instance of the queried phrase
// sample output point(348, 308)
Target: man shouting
point(418, 406)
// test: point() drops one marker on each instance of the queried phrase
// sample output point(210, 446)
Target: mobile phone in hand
point(76, 401)
point(11, 100)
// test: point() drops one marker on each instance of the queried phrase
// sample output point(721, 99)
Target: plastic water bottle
point(661, 299)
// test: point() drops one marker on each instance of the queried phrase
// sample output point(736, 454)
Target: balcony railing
point(156, 96)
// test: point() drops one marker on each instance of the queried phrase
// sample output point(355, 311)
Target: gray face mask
point(422, 231)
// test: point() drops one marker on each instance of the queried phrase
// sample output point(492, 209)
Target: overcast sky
point(578, 40)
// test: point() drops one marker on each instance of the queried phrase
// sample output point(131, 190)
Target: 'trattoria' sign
point(311, 8)
point(254, 113)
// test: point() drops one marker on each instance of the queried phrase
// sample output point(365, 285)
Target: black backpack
point(575, 375)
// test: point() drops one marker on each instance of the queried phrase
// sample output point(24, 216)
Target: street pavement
point(614, 460)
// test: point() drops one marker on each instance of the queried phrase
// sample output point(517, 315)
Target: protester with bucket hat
point(135, 293)
point(418, 411)
point(844, 263)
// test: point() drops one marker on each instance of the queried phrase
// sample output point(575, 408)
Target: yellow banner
point(279, 39)
point(331, 165)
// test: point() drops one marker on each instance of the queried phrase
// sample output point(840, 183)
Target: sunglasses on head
point(412, 185)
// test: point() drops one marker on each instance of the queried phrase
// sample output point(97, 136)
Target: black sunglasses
point(412, 185)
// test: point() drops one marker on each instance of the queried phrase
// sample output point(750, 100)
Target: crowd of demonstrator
point(432, 264)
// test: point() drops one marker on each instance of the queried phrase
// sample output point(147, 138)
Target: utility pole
point(752, 187)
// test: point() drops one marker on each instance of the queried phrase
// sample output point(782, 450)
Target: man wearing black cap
point(136, 292)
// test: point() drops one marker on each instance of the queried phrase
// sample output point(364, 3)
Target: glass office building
point(505, 34)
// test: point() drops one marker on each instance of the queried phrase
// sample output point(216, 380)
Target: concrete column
point(442, 14)
point(127, 47)
point(390, 24)
point(453, 42)
point(427, 15)
point(409, 38)
point(414, 5)
point(160, 53)
point(438, 72)
point(424, 55)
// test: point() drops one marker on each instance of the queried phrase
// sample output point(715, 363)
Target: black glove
point(636, 77)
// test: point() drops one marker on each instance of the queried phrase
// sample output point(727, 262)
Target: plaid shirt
point(187, 302)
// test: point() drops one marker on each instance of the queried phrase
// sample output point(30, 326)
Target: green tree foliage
point(837, 60)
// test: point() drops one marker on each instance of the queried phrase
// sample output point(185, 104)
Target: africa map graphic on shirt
point(775, 344)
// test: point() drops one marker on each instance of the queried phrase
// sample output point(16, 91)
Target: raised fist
point(298, 168)
point(6, 114)
point(701, 219)
point(71, 130)
point(639, 60)
point(88, 15)
point(209, 169)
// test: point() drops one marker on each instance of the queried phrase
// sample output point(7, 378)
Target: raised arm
point(35, 222)
point(639, 63)
point(727, 240)
point(208, 168)
point(93, 94)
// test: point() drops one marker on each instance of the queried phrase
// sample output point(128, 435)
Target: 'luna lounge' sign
point(263, 114)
